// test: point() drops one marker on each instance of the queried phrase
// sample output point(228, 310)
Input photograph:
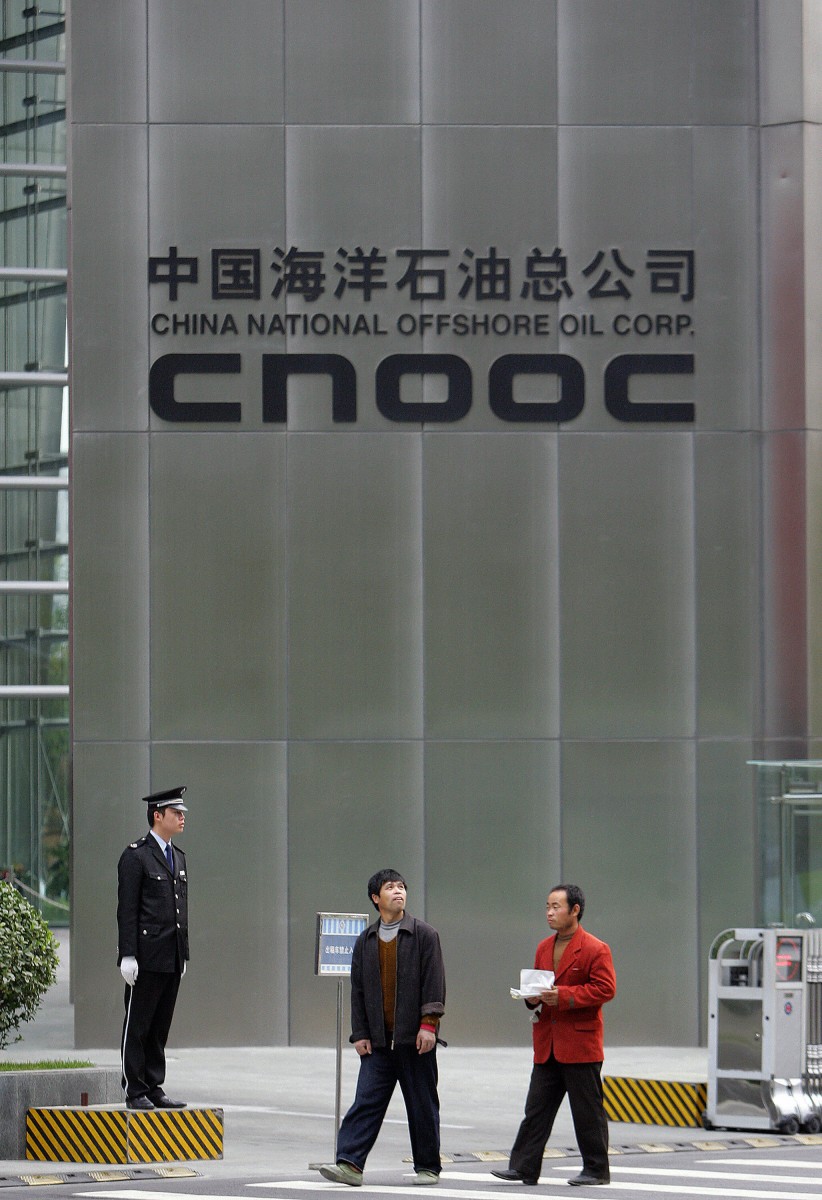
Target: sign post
point(334, 947)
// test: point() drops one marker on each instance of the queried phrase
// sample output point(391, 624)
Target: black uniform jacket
point(152, 907)
point(420, 982)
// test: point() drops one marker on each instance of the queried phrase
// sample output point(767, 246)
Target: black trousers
point(551, 1081)
point(149, 1010)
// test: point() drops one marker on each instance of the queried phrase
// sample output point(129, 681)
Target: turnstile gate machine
point(765, 1030)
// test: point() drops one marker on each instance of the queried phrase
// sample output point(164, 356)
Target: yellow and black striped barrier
point(117, 1135)
point(654, 1101)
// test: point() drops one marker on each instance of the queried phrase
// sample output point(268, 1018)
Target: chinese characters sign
point(426, 274)
point(330, 295)
point(336, 935)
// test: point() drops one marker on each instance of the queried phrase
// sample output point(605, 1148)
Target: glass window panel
point(34, 741)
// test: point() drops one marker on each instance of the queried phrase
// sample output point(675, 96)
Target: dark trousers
point(149, 1009)
point(380, 1072)
point(551, 1081)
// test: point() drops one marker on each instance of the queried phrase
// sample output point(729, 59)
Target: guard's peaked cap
point(173, 798)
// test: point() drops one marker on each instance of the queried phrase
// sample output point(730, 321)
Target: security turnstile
point(765, 1030)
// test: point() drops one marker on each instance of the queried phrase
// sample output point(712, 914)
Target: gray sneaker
point(341, 1172)
point(426, 1178)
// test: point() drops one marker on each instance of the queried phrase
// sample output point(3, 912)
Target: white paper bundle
point(532, 983)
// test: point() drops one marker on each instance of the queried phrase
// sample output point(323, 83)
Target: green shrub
point(28, 962)
point(47, 1064)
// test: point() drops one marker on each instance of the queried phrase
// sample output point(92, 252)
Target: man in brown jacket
point(397, 999)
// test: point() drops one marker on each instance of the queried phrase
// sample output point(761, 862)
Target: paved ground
point(790, 1172)
point(279, 1101)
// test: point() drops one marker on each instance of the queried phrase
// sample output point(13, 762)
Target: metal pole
point(312, 1166)
point(39, 587)
point(339, 1064)
point(32, 66)
point(34, 483)
point(33, 274)
point(34, 691)
point(13, 379)
point(33, 170)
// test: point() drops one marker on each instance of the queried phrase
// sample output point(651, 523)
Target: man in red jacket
point(568, 1048)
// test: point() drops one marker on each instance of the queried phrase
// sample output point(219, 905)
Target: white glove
point(128, 970)
point(182, 973)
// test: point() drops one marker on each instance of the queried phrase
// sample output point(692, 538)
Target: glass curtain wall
point(790, 824)
point(34, 709)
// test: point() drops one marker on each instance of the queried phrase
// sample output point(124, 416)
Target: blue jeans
point(380, 1072)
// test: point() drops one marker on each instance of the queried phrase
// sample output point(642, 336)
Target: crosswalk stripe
point(615, 1185)
point(316, 1116)
point(466, 1193)
point(793, 1163)
point(659, 1189)
point(678, 1173)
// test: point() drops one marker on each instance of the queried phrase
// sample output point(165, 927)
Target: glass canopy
point(790, 821)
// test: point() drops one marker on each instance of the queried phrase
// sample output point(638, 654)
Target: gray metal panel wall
point(107, 256)
point(218, 600)
point(110, 637)
point(355, 620)
point(354, 806)
point(489, 652)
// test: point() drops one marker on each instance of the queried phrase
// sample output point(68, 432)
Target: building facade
point(35, 750)
point(445, 417)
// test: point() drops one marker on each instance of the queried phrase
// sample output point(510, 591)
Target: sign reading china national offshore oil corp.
point(325, 299)
point(334, 945)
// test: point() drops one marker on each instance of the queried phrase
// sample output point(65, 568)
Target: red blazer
point(585, 980)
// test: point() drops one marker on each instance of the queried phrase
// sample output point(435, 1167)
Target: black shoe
point(585, 1179)
point(513, 1176)
point(167, 1102)
point(139, 1103)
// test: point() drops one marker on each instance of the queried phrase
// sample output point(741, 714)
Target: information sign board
point(336, 935)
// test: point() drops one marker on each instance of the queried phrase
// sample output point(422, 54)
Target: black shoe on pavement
point(587, 1180)
point(512, 1176)
point(139, 1104)
point(167, 1102)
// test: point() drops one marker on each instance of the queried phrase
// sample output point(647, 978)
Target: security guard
point(152, 921)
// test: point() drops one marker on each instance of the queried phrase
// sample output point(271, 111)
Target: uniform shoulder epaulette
point(142, 842)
